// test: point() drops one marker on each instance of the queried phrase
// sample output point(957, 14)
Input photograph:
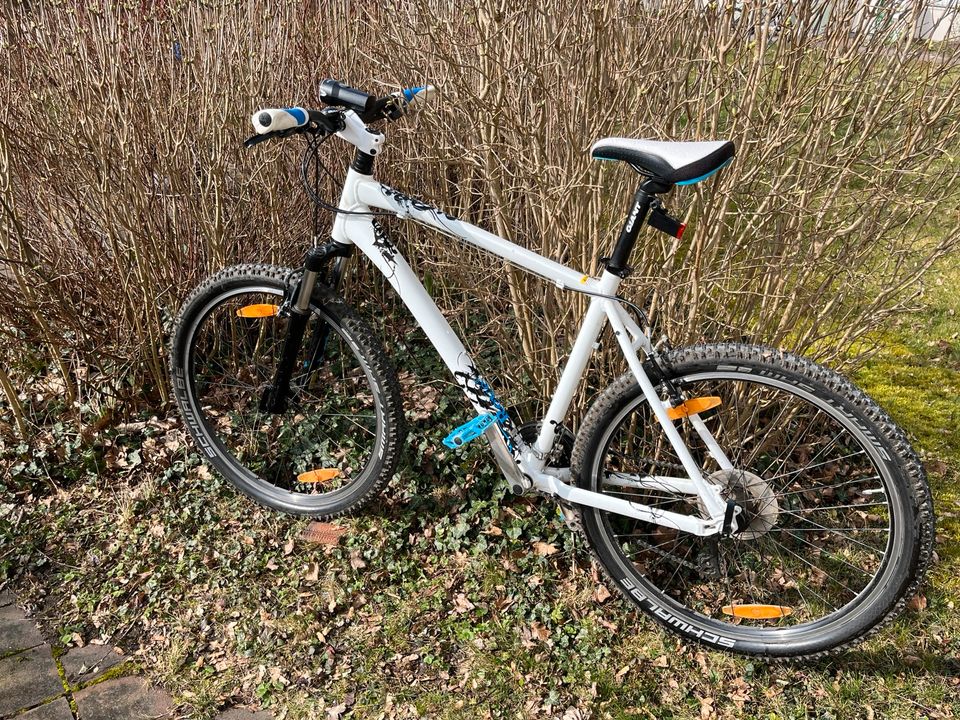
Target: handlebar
point(282, 122)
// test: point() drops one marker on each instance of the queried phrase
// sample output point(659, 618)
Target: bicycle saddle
point(678, 163)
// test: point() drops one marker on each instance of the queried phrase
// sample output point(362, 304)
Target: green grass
point(423, 610)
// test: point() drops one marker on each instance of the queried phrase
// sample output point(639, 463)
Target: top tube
point(373, 194)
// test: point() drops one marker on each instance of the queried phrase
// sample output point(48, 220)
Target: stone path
point(93, 682)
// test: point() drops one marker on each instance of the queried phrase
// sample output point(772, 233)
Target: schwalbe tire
point(369, 351)
point(888, 600)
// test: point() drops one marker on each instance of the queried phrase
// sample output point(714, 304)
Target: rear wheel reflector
point(257, 311)
point(692, 407)
point(318, 476)
point(758, 612)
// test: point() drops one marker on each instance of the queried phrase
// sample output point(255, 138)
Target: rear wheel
point(338, 438)
point(837, 516)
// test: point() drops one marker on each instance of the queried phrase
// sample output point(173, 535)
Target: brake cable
point(313, 150)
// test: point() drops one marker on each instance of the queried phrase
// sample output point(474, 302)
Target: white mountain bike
point(743, 497)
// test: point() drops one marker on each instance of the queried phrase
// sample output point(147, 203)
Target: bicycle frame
point(525, 464)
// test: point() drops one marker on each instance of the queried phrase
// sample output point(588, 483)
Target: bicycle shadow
point(888, 661)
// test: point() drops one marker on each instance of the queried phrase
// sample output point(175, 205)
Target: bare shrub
point(123, 180)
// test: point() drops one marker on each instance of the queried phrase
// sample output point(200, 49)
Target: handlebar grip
point(417, 95)
point(278, 119)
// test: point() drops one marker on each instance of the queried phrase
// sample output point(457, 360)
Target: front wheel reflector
point(257, 311)
point(758, 612)
point(318, 476)
point(693, 406)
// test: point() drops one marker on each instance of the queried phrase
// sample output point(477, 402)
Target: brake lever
point(255, 139)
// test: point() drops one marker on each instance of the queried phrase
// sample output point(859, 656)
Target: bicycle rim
point(328, 439)
point(820, 506)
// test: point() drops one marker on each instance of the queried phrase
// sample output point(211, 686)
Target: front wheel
point(339, 436)
point(837, 524)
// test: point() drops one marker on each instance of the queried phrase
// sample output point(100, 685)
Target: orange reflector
point(318, 476)
point(758, 612)
point(692, 407)
point(257, 311)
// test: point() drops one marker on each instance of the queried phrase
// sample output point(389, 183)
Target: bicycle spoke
point(810, 467)
point(790, 461)
point(821, 488)
point(817, 508)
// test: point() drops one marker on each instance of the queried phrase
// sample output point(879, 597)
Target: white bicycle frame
point(525, 464)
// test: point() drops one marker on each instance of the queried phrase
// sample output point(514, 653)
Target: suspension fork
point(276, 395)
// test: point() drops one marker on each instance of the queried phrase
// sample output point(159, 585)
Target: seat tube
point(580, 353)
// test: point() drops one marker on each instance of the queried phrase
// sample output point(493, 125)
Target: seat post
point(617, 262)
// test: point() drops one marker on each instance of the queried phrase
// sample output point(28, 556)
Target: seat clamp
point(621, 272)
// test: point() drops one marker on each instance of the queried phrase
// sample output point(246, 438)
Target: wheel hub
point(758, 503)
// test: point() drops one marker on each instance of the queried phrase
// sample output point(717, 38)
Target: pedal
point(470, 430)
point(570, 517)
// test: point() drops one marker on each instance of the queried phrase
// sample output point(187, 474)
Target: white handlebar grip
point(273, 120)
point(417, 96)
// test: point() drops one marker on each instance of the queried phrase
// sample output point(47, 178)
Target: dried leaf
point(323, 533)
point(462, 604)
point(288, 547)
point(543, 548)
point(601, 593)
point(356, 562)
point(312, 572)
point(540, 632)
point(917, 603)
point(336, 712)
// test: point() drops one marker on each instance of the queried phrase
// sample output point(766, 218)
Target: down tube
point(375, 244)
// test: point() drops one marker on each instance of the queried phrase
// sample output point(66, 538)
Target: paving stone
point(59, 709)
point(27, 679)
point(89, 662)
point(240, 714)
point(127, 697)
point(6, 598)
point(16, 632)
